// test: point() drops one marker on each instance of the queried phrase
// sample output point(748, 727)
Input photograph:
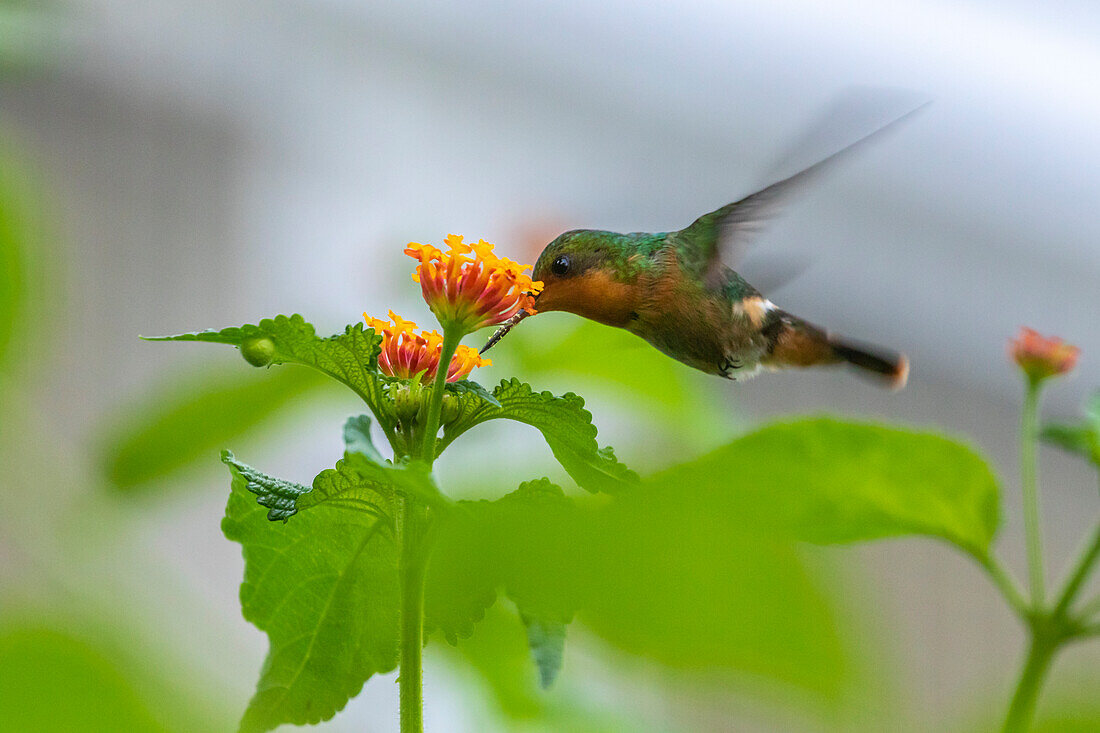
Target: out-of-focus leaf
point(324, 588)
point(523, 543)
point(563, 422)
point(609, 355)
point(498, 653)
point(547, 642)
point(671, 579)
point(190, 418)
point(658, 575)
point(54, 682)
point(829, 481)
point(357, 439)
point(1082, 439)
point(13, 236)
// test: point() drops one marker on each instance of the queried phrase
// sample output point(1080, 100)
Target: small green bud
point(450, 410)
point(258, 351)
point(406, 402)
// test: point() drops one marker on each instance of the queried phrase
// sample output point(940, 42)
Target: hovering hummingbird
point(675, 290)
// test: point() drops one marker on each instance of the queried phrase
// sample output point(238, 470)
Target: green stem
point(1004, 583)
point(1079, 575)
point(1029, 438)
point(451, 338)
point(414, 556)
point(410, 684)
point(1039, 657)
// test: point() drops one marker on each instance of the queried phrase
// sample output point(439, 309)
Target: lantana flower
point(1040, 357)
point(469, 292)
point(406, 352)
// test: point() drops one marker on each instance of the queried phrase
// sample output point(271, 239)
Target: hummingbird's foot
point(728, 366)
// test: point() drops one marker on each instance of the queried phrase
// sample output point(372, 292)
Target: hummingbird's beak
point(507, 326)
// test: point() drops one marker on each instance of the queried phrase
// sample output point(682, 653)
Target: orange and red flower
point(471, 292)
point(1040, 357)
point(405, 352)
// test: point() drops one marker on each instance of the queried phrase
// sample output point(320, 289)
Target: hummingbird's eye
point(560, 266)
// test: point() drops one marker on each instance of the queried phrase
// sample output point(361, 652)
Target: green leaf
point(325, 590)
point(547, 642)
point(357, 439)
point(498, 653)
point(563, 422)
point(668, 577)
point(350, 357)
point(185, 419)
point(278, 495)
point(516, 543)
point(656, 574)
point(830, 481)
point(13, 286)
point(55, 682)
point(349, 485)
point(466, 386)
point(1082, 439)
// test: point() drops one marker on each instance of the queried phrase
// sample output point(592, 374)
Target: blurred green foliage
point(1081, 438)
point(21, 237)
point(78, 675)
point(828, 481)
point(12, 275)
point(192, 417)
point(54, 682)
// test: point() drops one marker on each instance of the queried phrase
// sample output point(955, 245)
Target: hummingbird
point(676, 291)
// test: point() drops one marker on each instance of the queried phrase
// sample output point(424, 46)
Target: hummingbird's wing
point(716, 240)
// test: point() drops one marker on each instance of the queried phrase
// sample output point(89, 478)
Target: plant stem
point(1079, 575)
point(410, 685)
point(1039, 656)
point(1029, 438)
point(414, 556)
point(1004, 583)
point(451, 338)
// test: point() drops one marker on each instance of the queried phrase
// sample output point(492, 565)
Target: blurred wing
point(718, 239)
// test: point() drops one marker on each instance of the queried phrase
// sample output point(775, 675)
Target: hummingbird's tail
point(796, 343)
point(889, 368)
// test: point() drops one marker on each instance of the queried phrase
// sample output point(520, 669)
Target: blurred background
point(170, 166)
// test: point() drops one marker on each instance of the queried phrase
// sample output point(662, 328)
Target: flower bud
point(406, 402)
point(1040, 357)
point(258, 350)
point(450, 410)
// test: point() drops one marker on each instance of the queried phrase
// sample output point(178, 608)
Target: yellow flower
point(1040, 357)
point(471, 292)
point(405, 352)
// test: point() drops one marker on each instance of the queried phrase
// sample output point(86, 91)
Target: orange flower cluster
point(471, 292)
point(1041, 357)
point(406, 352)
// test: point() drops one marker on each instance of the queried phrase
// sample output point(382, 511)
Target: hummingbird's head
point(581, 273)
